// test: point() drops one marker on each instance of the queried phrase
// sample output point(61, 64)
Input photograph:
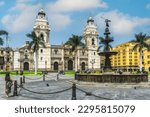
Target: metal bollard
point(74, 91)
point(23, 79)
point(57, 76)
point(75, 76)
point(15, 93)
point(43, 77)
point(8, 84)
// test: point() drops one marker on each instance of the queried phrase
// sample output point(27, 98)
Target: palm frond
point(98, 49)
point(3, 32)
point(75, 41)
point(105, 43)
point(140, 41)
point(1, 41)
point(36, 42)
point(135, 47)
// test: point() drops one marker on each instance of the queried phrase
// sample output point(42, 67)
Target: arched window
point(42, 36)
point(93, 43)
point(83, 52)
point(56, 66)
point(41, 50)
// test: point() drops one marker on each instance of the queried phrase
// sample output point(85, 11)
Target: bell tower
point(41, 26)
point(91, 34)
point(91, 41)
point(42, 29)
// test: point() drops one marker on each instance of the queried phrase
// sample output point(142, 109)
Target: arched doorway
point(26, 66)
point(83, 66)
point(70, 65)
point(56, 66)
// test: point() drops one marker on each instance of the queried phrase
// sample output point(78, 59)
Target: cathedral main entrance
point(56, 66)
point(26, 66)
point(70, 65)
point(83, 66)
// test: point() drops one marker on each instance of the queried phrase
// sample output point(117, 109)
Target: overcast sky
point(67, 17)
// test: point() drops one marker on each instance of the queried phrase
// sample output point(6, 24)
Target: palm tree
point(140, 44)
point(3, 32)
point(35, 44)
point(75, 41)
point(105, 43)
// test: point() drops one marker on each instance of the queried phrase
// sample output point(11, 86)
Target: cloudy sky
point(67, 17)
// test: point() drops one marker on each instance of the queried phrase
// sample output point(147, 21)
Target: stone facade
point(6, 59)
point(59, 57)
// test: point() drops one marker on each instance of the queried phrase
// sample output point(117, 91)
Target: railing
point(17, 88)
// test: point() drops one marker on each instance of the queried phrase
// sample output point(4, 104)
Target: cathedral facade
point(58, 57)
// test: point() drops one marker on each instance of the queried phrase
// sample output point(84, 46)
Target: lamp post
point(7, 58)
point(45, 65)
point(92, 62)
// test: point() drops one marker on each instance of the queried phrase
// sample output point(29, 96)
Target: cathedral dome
point(90, 19)
point(41, 12)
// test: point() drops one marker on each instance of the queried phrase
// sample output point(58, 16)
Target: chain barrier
point(34, 78)
point(64, 76)
point(20, 89)
point(16, 86)
point(50, 76)
point(73, 92)
point(88, 93)
point(47, 93)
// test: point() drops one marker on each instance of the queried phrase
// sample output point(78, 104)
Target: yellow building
point(126, 59)
point(146, 60)
point(129, 60)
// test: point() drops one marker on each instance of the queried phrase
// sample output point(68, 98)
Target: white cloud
point(25, 17)
point(75, 5)
point(23, 1)
point(148, 6)
point(2, 3)
point(121, 24)
point(19, 22)
point(60, 9)
point(22, 16)
point(59, 21)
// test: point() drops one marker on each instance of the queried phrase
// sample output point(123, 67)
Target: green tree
point(75, 41)
point(105, 43)
point(3, 32)
point(35, 44)
point(140, 44)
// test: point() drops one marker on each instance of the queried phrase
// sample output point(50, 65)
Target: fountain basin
point(112, 78)
point(107, 53)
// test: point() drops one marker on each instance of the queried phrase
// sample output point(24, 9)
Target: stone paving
point(115, 91)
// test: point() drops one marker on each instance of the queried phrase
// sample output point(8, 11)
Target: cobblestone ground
point(37, 89)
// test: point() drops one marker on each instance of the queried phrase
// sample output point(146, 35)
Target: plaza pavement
point(42, 89)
